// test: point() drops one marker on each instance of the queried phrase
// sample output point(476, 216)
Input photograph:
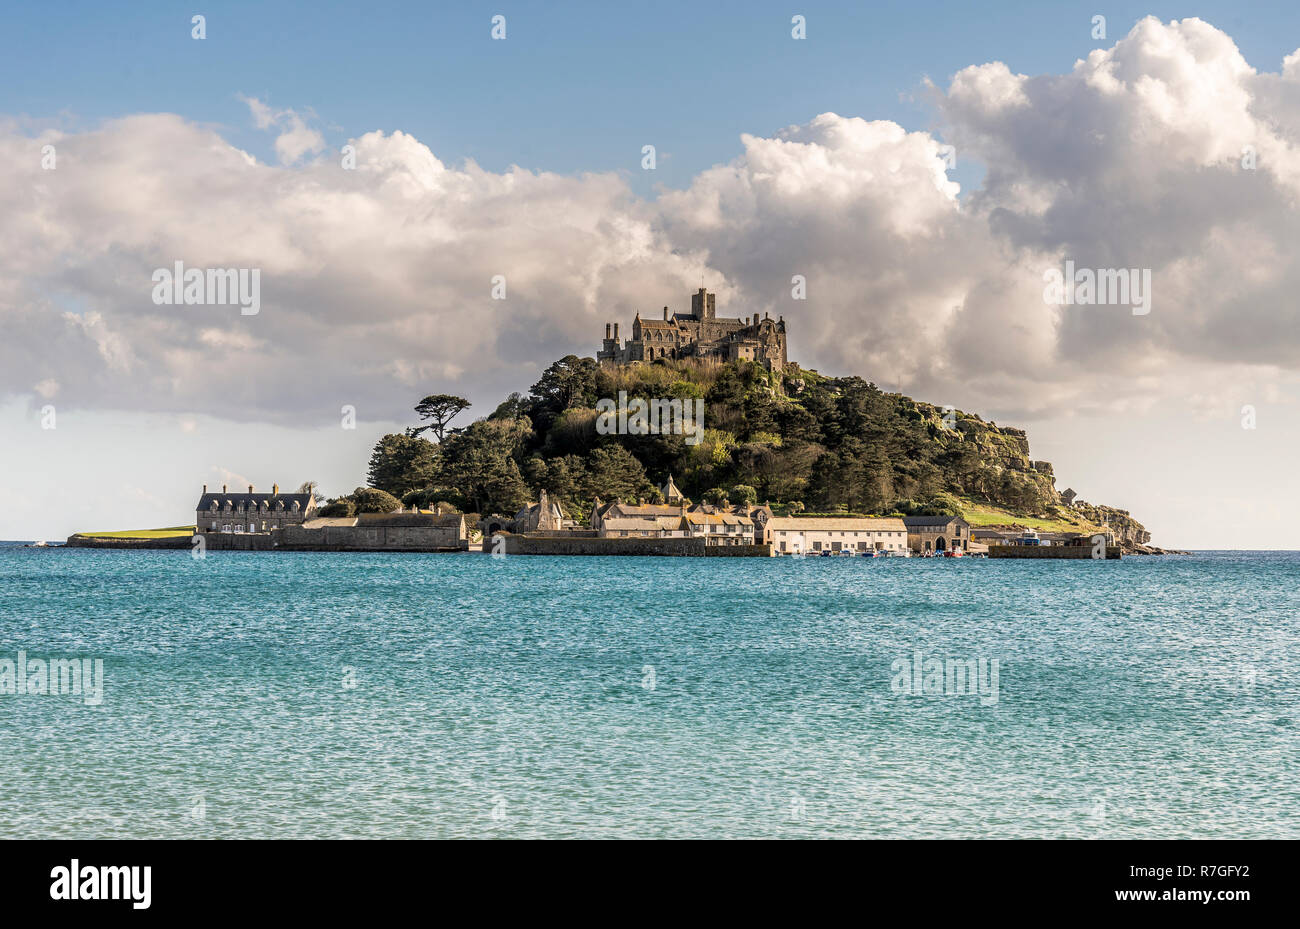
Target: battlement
point(701, 335)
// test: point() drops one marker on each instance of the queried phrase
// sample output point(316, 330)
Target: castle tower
point(703, 304)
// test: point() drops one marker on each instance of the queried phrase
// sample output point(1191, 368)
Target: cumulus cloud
point(295, 140)
point(376, 281)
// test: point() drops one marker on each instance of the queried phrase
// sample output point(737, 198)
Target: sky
point(522, 158)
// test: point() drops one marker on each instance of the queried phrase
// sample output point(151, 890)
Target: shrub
point(373, 500)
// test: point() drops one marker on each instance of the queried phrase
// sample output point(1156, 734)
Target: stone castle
point(700, 334)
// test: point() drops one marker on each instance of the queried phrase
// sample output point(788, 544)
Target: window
point(817, 546)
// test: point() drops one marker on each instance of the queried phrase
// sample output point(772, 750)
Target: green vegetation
point(171, 532)
point(984, 515)
point(361, 500)
point(801, 440)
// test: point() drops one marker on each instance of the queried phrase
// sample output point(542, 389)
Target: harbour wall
point(1050, 551)
point(549, 544)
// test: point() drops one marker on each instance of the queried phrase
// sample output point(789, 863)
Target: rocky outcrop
point(1128, 531)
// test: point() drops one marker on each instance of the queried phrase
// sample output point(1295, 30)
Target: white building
point(815, 534)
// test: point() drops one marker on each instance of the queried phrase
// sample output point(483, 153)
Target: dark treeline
point(802, 440)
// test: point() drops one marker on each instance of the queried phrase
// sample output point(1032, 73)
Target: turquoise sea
point(359, 695)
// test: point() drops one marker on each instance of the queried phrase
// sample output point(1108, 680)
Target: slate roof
point(836, 524)
point(205, 500)
point(644, 511)
point(718, 519)
point(920, 522)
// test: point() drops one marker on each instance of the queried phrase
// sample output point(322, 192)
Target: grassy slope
point(169, 533)
point(984, 514)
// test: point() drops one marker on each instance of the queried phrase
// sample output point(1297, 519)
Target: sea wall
point(172, 542)
point(369, 539)
point(550, 544)
point(340, 539)
point(1049, 551)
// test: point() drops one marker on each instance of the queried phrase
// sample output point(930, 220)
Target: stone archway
point(939, 544)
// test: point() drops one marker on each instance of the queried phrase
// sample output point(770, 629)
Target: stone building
point(937, 533)
point(721, 528)
point(700, 334)
point(251, 512)
point(715, 525)
point(812, 535)
point(543, 516)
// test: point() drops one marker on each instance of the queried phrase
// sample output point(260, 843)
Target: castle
point(700, 334)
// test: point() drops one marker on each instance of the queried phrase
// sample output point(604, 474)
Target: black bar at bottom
point(1210, 879)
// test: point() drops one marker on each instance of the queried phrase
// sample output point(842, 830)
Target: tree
point(563, 477)
point(373, 500)
point(569, 382)
point(402, 463)
point(439, 409)
point(480, 463)
point(613, 471)
point(307, 487)
point(716, 496)
point(514, 406)
point(744, 494)
point(339, 507)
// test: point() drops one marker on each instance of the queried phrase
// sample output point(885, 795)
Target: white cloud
point(376, 281)
point(295, 139)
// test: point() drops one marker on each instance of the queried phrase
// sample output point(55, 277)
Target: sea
point(288, 695)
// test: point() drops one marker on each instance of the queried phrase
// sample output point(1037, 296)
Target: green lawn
point(981, 514)
point(169, 533)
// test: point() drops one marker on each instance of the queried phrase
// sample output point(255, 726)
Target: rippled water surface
point(298, 695)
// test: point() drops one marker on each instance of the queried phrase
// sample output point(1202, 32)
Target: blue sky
point(374, 316)
point(579, 86)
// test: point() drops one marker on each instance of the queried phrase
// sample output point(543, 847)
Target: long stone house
point(811, 535)
point(252, 511)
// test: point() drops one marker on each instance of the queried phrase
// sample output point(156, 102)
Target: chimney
point(615, 332)
point(665, 314)
point(275, 488)
point(205, 488)
point(250, 488)
point(606, 330)
point(223, 488)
